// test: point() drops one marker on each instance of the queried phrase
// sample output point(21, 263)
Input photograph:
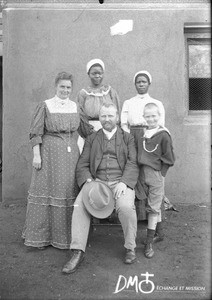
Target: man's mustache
point(107, 122)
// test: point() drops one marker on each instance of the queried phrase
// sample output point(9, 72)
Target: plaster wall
point(40, 42)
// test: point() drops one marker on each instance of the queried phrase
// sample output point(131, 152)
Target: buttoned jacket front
point(93, 152)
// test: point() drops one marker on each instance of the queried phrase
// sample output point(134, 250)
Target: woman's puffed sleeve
point(37, 125)
point(124, 117)
point(115, 99)
point(84, 128)
point(162, 114)
point(81, 102)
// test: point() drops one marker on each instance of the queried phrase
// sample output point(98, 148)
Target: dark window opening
point(198, 53)
point(199, 93)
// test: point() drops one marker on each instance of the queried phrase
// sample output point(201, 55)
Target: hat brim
point(100, 214)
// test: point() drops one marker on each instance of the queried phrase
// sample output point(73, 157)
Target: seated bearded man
point(109, 159)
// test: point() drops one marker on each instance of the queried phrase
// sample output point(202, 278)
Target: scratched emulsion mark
point(122, 27)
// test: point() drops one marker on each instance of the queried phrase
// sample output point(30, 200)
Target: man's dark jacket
point(93, 153)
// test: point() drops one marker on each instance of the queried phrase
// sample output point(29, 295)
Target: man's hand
point(119, 189)
point(36, 162)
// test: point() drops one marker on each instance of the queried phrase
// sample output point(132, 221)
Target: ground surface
point(181, 267)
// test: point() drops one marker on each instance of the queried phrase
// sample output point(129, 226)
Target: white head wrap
point(93, 62)
point(143, 72)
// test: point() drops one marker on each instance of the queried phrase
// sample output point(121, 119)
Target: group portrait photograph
point(105, 149)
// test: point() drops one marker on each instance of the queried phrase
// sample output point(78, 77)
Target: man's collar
point(109, 134)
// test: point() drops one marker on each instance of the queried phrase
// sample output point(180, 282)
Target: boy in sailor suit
point(155, 156)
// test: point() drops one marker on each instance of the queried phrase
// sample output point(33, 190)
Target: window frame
point(201, 32)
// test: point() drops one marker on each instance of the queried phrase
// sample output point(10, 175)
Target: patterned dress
point(91, 99)
point(53, 188)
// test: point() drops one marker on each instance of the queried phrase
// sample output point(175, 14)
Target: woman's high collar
point(143, 95)
point(58, 99)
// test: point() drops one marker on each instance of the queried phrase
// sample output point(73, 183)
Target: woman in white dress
point(132, 110)
point(132, 121)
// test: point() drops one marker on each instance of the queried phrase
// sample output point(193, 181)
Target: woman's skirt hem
point(45, 244)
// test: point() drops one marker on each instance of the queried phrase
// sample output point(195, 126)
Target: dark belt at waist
point(59, 134)
point(94, 119)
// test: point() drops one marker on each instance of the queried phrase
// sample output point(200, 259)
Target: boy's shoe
point(130, 256)
point(156, 239)
point(148, 251)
